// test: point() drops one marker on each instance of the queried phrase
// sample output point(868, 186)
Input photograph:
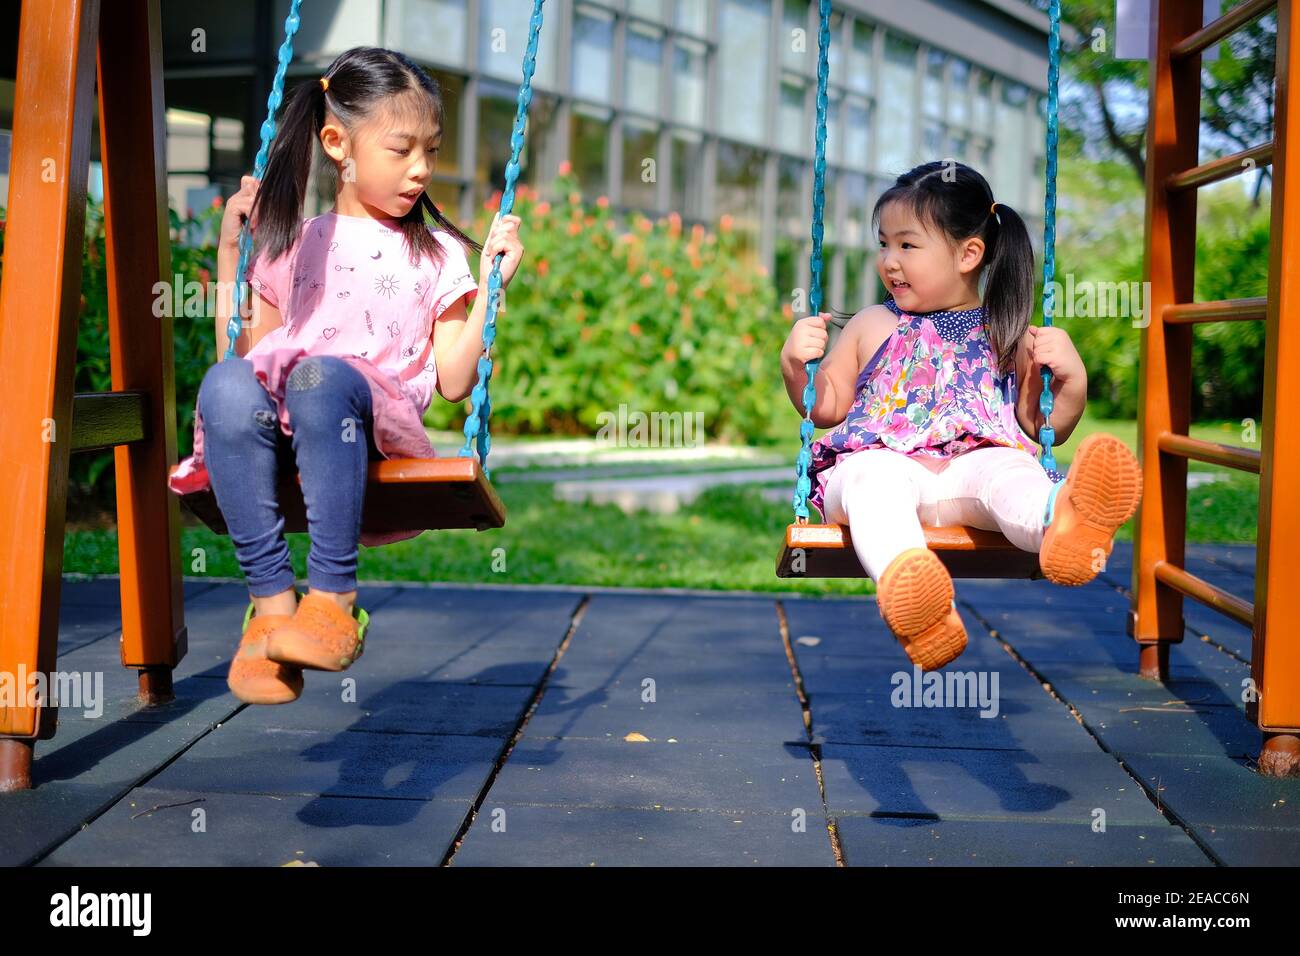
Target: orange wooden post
point(133, 136)
point(1164, 393)
point(39, 300)
point(1275, 655)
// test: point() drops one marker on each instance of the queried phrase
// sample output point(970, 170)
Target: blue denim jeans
point(328, 402)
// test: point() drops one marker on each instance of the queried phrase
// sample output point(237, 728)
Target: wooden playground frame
point(1173, 176)
point(66, 45)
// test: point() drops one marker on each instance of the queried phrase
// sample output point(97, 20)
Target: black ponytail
point(360, 81)
point(957, 201)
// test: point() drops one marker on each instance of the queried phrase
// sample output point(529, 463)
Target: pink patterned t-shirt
point(348, 287)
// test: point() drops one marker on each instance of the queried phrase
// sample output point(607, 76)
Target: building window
point(932, 85)
point(1011, 169)
point(857, 133)
point(650, 9)
point(689, 82)
point(497, 105)
point(864, 36)
point(433, 30)
point(897, 112)
point(743, 69)
point(503, 34)
point(740, 185)
point(856, 210)
point(793, 132)
point(688, 174)
point(593, 51)
point(791, 213)
point(959, 92)
point(794, 29)
point(835, 55)
point(693, 16)
point(640, 157)
point(453, 91)
point(982, 110)
point(644, 68)
point(589, 148)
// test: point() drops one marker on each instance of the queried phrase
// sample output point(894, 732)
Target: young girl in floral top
point(931, 427)
point(359, 316)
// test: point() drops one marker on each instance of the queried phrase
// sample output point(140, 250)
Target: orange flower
point(674, 224)
point(696, 262)
point(602, 202)
point(574, 228)
point(575, 197)
point(697, 232)
point(542, 208)
point(746, 340)
point(217, 202)
point(585, 334)
point(667, 272)
point(670, 355)
point(725, 222)
point(566, 167)
point(787, 310)
point(589, 221)
point(644, 225)
point(634, 329)
point(698, 292)
point(543, 267)
point(671, 288)
point(646, 280)
point(580, 315)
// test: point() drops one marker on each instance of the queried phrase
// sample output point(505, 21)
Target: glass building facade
point(704, 107)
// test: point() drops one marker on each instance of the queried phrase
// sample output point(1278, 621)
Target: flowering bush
point(647, 313)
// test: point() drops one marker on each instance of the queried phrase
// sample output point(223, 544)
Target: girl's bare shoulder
point(870, 328)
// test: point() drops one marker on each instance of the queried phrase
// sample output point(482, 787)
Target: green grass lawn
point(727, 539)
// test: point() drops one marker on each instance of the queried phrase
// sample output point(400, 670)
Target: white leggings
point(885, 497)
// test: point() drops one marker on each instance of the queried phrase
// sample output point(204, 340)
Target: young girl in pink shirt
point(359, 316)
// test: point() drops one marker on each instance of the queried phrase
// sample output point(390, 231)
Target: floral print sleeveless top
point(931, 389)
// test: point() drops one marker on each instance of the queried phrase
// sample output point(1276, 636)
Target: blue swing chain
point(1047, 434)
point(802, 482)
point(273, 101)
point(476, 423)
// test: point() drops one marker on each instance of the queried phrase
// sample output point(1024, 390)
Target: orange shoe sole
point(1100, 493)
point(915, 596)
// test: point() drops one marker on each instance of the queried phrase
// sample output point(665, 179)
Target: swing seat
point(966, 552)
point(402, 494)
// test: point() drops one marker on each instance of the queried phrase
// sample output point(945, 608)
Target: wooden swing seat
point(966, 552)
point(402, 494)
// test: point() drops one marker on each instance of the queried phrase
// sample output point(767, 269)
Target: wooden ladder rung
point(109, 419)
point(1229, 23)
point(1225, 167)
point(1224, 310)
point(1214, 453)
point(1210, 595)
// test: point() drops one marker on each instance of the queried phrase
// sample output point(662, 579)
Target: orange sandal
point(915, 597)
point(1098, 495)
point(321, 636)
point(253, 678)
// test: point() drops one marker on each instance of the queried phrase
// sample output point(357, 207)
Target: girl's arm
point(1050, 346)
point(265, 316)
point(457, 344)
point(839, 369)
point(458, 337)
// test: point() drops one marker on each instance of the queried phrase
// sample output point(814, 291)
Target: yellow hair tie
point(993, 210)
point(324, 82)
